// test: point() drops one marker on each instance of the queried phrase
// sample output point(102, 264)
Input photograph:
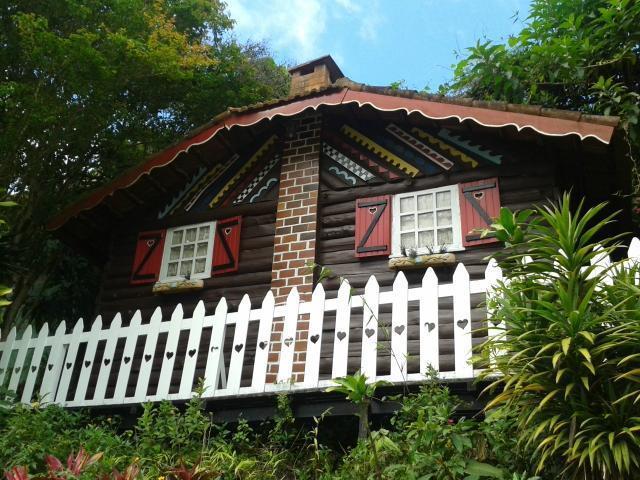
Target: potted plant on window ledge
point(410, 259)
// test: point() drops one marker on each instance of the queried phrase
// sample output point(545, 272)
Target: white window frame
point(456, 220)
point(167, 249)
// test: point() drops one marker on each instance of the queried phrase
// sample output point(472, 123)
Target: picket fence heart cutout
point(263, 344)
point(238, 347)
point(69, 365)
point(369, 332)
point(49, 367)
point(87, 363)
point(192, 352)
point(478, 195)
point(314, 338)
point(151, 243)
point(17, 369)
point(430, 326)
point(33, 368)
point(399, 329)
point(107, 361)
point(496, 323)
point(341, 335)
point(147, 357)
point(463, 323)
point(127, 359)
point(288, 341)
point(214, 348)
point(373, 210)
point(227, 231)
point(169, 355)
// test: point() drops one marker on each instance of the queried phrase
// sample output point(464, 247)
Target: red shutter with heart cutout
point(226, 246)
point(148, 257)
point(373, 226)
point(479, 206)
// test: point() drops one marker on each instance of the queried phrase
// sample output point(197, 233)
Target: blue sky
point(377, 41)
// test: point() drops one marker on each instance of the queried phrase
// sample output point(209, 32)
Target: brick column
point(295, 236)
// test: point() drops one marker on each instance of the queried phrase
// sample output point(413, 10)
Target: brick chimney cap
point(334, 70)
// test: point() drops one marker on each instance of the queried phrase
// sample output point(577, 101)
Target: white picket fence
point(44, 364)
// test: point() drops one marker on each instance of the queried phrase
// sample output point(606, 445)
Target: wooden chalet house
point(218, 230)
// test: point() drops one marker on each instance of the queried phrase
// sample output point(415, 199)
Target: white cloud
point(296, 28)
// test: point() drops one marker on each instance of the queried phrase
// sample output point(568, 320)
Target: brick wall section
point(295, 236)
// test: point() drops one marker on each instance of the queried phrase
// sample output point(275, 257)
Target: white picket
point(462, 323)
point(18, 365)
point(314, 340)
point(215, 358)
point(399, 328)
point(369, 356)
point(69, 362)
point(5, 373)
point(493, 276)
point(239, 346)
point(170, 351)
point(127, 356)
point(107, 360)
point(87, 363)
point(191, 355)
point(36, 359)
point(54, 366)
point(262, 343)
point(288, 343)
point(429, 325)
point(341, 334)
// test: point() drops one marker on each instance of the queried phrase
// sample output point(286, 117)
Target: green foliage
point(90, 88)
point(568, 361)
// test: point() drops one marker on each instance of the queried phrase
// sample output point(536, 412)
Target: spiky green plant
point(568, 363)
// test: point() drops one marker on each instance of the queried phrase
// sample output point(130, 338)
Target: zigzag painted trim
point(216, 172)
point(424, 150)
point(379, 150)
point(264, 189)
point(254, 158)
point(258, 178)
point(181, 194)
point(445, 146)
point(466, 144)
point(347, 163)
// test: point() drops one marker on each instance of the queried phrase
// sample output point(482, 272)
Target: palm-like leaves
point(569, 360)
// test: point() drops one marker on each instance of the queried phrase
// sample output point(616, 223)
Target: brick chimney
point(313, 75)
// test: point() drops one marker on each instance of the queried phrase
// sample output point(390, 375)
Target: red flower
point(81, 461)
point(17, 473)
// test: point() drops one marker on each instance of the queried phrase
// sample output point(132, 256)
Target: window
point(187, 252)
point(426, 220)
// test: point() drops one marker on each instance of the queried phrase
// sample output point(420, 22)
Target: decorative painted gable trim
point(379, 150)
point(445, 146)
point(243, 169)
point(424, 150)
point(181, 194)
point(253, 184)
point(214, 174)
point(466, 145)
point(347, 163)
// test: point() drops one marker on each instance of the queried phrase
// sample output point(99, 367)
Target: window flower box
point(422, 261)
point(177, 286)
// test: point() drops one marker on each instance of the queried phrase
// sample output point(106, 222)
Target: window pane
point(407, 204)
point(176, 238)
point(443, 199)
point(425, 220)
point(172, 271)
point(200, 264)
point(445, 235)
point(444, 218)
point(407, 222)
point(185, 268)
point(203, 233)
point(190, 236)
point(408, 240)
point(202, 250)
point(425, 202)
point(187, 252)
point(174, 254)
point(425, 239)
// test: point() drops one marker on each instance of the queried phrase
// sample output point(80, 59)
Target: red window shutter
point(479, 205)
point(226, 246)
point(148, 257)
point(373, 226)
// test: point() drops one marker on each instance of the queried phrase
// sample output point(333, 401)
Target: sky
point(377, 41)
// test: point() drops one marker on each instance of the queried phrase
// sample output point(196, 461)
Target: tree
point(580, 55)
point(89, 88)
